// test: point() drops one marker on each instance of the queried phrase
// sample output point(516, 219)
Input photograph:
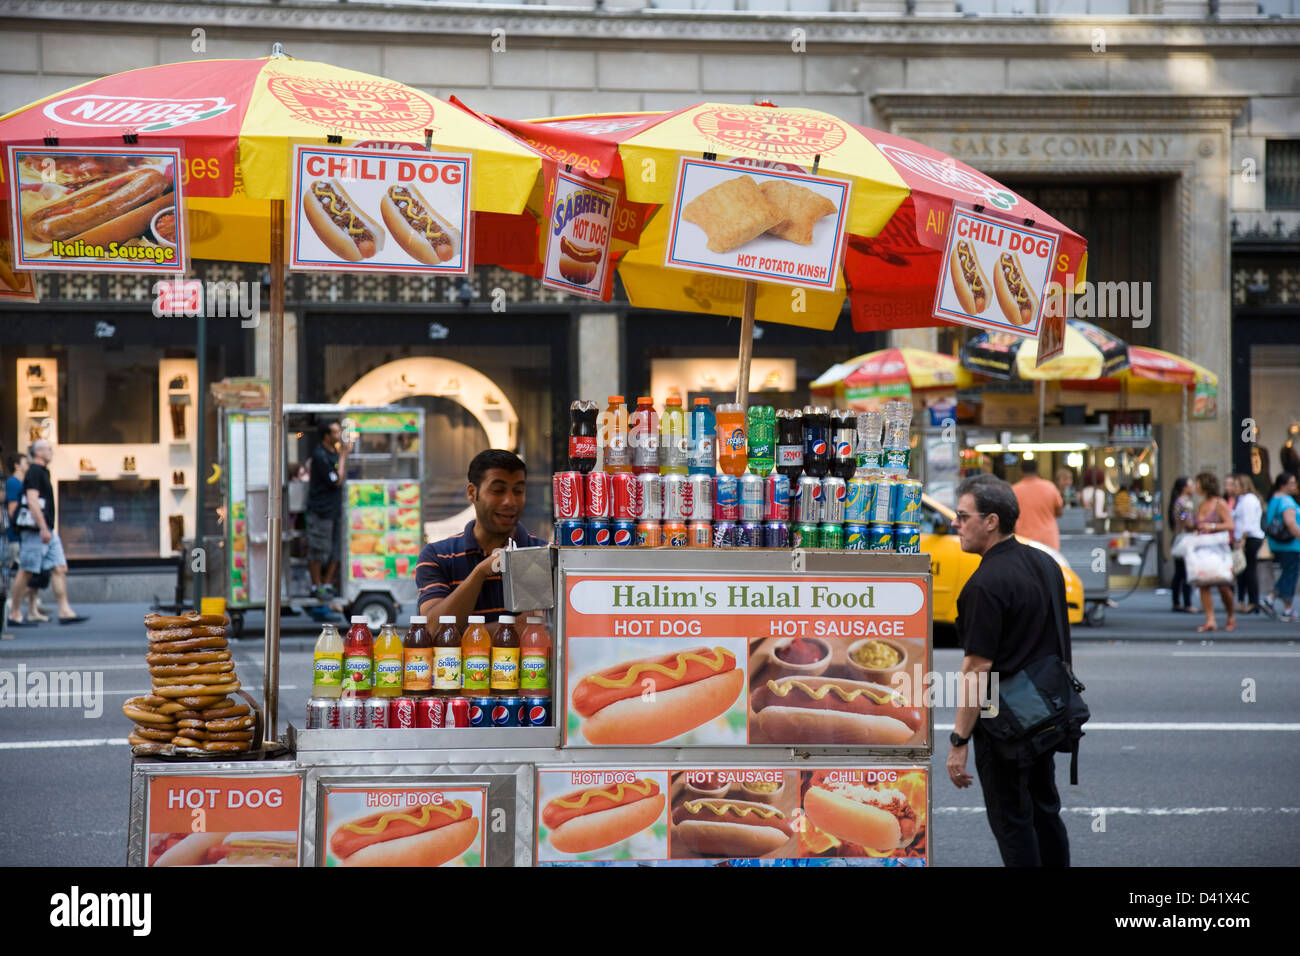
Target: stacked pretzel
point(192, 672)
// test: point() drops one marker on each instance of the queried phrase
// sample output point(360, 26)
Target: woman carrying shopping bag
point(1181, 517)
point(1209, 555)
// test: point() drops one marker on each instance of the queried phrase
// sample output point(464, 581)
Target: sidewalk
point(1146, 616)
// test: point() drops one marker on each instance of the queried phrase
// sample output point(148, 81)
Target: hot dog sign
point(995, 273)
point(578, 234)
point(367, 210)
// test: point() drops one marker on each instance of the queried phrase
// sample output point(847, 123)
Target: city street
point(1177, 769)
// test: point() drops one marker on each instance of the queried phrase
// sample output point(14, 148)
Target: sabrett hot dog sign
point(581, 225)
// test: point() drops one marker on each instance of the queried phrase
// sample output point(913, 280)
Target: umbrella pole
point(746, 343)
point(1042, 400)
point(275, 484)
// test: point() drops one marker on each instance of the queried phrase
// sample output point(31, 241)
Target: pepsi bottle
point(844, 430)
point(817, 453)
point(789, 444)
point(582, 436)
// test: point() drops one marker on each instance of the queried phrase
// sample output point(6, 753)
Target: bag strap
point(1062, 624)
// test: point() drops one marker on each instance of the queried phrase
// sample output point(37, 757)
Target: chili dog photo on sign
point(369, 210)
point(577, 244)
point(995, 273)
point(770, 224)
point(118, 209)
point(403, 826)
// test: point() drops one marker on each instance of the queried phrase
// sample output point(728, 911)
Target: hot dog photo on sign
point(735, 814)
point(578, 234)
point(601, 814)
point(118, 209)
point(406, 827)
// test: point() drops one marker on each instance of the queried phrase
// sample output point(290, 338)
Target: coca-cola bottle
point(582, 436)
point(817, 453)
point(789, 443)
point(843, 443)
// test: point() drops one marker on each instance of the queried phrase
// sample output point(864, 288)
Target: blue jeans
point(1286, 581)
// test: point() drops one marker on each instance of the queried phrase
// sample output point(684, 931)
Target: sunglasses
point(961, 516)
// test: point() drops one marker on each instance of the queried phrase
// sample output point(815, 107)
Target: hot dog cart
point(607, 607)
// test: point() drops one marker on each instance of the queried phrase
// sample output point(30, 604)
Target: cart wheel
point(1096, 615)
point(236, 624)
point(377, 609)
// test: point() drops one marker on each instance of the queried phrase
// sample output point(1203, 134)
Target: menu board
point(383, 529)
point(730, 816)
point(406, 826)
point(685, 661)
point(204, 821)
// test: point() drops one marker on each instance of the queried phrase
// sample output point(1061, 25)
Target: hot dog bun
point(969, 283)
point(668, 714)
point(81, 210)
point(578, 263)
point(731, 828)
point(190, 851)
point(606, 827)
point(858, 822)
point(346, 231)
point(813, 710)
point(255, 849)
point(1008, 277)
point(425, 235)
point(417, 835)
point(430, 848)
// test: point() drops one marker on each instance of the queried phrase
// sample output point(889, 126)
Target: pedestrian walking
point(1010, 613)
point(1181, 517)
point(17, 467)
point(1248, 531)
point(40, 549)
point(1282, 526)
point(1213, 516)
point(325, 510)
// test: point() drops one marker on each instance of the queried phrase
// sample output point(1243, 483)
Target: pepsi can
point(323, 713)
point(679, 498)
point(623, 534)
point(701, 497)
point(599, 533)
point(480, 711)
point(751, 498)
point(855, 536)
point(810, 500)
point(880, 537)
point(776, 498)
point(834, 492)
point(505, 711)
point(726, 498)
point(776, 534)
point(699, 534)
point(724, 534)
point(749, 534)
point(650, 498)
point(907, 539)
point(857, 500)
point(571, 533)
point(352, 713)
point(535, 712)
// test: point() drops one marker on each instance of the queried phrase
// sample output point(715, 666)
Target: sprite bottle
point(761, 436)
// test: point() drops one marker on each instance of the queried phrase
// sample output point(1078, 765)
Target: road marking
point(1211, 727)
point(1235, 654)
point(46, 744)
point(1144, 811)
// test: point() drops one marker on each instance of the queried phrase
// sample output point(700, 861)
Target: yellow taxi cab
point(950, 566)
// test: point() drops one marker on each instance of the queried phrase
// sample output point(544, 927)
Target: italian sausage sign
point(577, 237)
point(995, 273)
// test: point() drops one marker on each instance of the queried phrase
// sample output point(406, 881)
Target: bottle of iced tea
point(417, 659)
point(476, 657)
point(358, 659)
point(446, 657)
point(389, 655)
point(535, 657)
point(505, 658)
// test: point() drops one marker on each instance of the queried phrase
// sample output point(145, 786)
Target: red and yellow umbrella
point(894, 372)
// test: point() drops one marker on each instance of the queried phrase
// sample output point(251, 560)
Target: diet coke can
point(810, 500)
point(751, 498)
point(401, 712)
point(566, 490)
point(352, 714)
point(679, 498)
point(702, 496)
point(776, 498)
point(323, 713)
point(651, 498)
point(374, 713)
point(600, 495)
point(457, 712)
point(430, 712)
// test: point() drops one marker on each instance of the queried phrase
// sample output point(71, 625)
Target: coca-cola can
point(600, 495)
point(401, 713)
point(702, 497)
point(374, 712)
point(567, 494)
point(679, 498)
point(776, 498)
point(457, 712)
point(652, 498)
point(352, 714)
point(833, 494)
point(751, 498)
point(323, 713)
point(810, 500)
point(430, 712)
point(626, 490)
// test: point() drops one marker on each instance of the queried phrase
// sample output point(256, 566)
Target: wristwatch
point(957, 741)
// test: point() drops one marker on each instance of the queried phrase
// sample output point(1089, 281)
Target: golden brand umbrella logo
point(764, 130)
point(367, 107)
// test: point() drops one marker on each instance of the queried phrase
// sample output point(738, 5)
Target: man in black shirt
point(325, 509)
point(1006, 619)
point(40, 550)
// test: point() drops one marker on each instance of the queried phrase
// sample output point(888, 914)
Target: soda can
point(749, 534)
point(702, 496)
point(907, 501)
point(600, 495)
point(907, 539)
point(880, 537)
point(649, 534)
point(776, 498)
point(834, 491)
point(600, 533)
point(323, 713)
point(796, 500)
point(855, 537)
point(751, 498)
point(431, 712)
point(458, 712)
point(810, 500)
point(805, 535)
point(567, 494)
point(374, 713)
point(626, 493)
point(352, 713)
point(675, 534)
point(883, 512)
point(623, 533)
point(858, 498)
point(480, 711)
point(897, 460)
point(724, 534)
point(776, 534)
point(726, 498)
point(505, 711)
point(831, 537)
point(401, 713)
point(651, 498)
point(699, 534)
point(535, 712)
point(679, 498)
point(571, 533)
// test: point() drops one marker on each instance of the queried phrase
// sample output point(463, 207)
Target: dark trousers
point(1182, 591)
point(1024, 809)
point(1248, 580)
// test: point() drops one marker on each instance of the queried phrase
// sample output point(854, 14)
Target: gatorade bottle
point(643, 436)
point(582, 436)
point(613, 436)
point(672, 438)
point(389, 656)
point(535, 658)
point(732, 455)
point(358, 659)
point(446, 657)
point(327, 676)
point(417, 659)
point(476, 657)
point(505, 658)
point(704, 429)
point(760, 436)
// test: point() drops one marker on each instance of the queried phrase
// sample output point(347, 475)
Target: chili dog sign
point(578, 234)
point(995, 273)
point(369, 210)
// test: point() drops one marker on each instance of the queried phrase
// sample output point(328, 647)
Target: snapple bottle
point(505, 658)
point(535, 657)
point(358, 659)
point(446, 657)
point(417, 659)
point(476, 657)
point(389, 662)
